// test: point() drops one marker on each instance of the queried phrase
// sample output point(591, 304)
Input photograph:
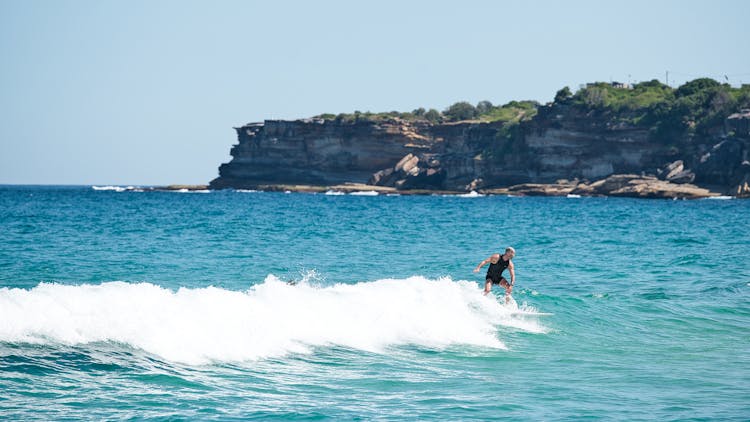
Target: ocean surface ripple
point(120, 304)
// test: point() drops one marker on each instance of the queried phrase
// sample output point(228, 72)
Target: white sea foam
point(472, 194)
point(270, 319)
point(192, 191)
point(334, 192)
point(365, 193)
point(572, 195)
point(719, 198)
point(112, 188)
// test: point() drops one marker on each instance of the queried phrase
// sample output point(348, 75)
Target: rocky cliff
point(316, 151)
point(558, 143)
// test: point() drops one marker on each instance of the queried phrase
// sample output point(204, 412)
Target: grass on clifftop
point(513, 112)
point(484, 111)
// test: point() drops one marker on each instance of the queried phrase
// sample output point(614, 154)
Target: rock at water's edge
point(635, 186)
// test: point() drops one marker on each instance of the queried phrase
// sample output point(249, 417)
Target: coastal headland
point(646, 140)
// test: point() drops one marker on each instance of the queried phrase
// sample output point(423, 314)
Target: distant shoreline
point(628, 186)
point(622, 186)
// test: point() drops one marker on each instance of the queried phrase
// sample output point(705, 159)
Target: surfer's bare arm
point(512, 272)
point(492, 258)
point(482, 264)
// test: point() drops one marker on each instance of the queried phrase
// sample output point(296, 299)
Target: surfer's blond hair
point(511, 250)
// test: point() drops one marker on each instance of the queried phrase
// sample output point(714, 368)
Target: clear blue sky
point(147, 92)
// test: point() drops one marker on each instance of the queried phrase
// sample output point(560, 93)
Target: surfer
point(498, 264)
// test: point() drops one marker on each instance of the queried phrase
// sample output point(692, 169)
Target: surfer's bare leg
point(487, 287)
point(508, 289)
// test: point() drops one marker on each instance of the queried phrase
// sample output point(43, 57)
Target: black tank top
point(496, 270)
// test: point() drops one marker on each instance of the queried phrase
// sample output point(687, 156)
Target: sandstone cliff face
point(726, 163)
point(566, 144)
point(483, 155)
point(564, 153)
point(556, 144)
point(316, 152)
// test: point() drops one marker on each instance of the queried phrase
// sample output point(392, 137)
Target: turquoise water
point(118, 305)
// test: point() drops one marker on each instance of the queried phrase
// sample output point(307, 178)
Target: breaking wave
point(271, 319)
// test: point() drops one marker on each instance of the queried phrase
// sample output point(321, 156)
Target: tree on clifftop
point(433, 116)
point(484, 107)
point(595, 96)
point(696, 86)
point(563, 96)
point(461, 111)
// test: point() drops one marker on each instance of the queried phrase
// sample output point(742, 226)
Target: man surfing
point(498, 264)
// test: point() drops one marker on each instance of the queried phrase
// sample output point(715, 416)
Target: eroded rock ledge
point(618, 185)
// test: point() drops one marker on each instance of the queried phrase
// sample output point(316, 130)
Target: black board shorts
point(498, 280)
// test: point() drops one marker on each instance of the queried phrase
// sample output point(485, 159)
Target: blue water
point(119, 305)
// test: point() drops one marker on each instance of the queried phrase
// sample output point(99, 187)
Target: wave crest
point(270, 319)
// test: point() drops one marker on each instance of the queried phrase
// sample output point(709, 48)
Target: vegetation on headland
point(685, 119)
point(695, 108)
point(484, 111)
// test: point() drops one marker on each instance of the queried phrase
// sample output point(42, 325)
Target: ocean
point(241, 305)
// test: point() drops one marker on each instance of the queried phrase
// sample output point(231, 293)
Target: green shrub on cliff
point(485, 111)
point(514, 111)
point(674, 116)
point(606, 96)
point(358, 116)
point(484, 107)
point(563, 96)
point(433, 116)
point(699, 107)
point(461, 111)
